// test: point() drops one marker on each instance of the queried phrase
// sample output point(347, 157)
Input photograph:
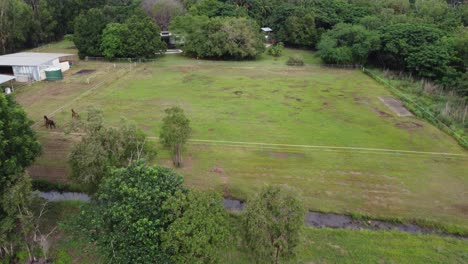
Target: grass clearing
point(268, 102)
point(318, 245)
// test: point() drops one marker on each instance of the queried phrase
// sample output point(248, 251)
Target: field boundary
point(290, 146)
point(423, 112)
point(85, 93)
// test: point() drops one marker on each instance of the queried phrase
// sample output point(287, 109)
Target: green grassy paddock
point(265, 101)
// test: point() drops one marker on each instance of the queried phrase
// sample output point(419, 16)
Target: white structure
point(30, 66)
point(4, 79)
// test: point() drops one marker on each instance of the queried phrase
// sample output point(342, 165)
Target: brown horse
point(49, 123)
point(75, 115)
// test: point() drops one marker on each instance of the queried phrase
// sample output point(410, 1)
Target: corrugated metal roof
point(29, 58)
point(267, 29)
point(6, 78)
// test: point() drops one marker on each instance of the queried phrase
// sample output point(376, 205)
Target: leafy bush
point(276, 50)
point(68, 37)
point(295, 60)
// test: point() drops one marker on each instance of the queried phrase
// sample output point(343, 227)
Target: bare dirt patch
point(381, 113)
point(463, 208)
point(395, 105)
point(83, 72)
point(408, 125)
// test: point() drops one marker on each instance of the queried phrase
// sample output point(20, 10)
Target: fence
point(419, 110)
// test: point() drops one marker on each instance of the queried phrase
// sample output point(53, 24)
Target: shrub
point(276, 50)
point(68, 37)
point(295, 60)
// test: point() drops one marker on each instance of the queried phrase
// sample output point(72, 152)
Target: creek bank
point(313, 219)
point(340, 221)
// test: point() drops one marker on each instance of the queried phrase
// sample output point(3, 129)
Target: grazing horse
point(49, 123)
point(75, 115)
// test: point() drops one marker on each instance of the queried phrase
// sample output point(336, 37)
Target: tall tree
point(348, 44)
point(272, 224)
point(88, 32)
point(199, 229)
point(103, 148)
point(18, 149)
point(163, 11)
point(129, 214)
point(175, 133)
point(15, 19)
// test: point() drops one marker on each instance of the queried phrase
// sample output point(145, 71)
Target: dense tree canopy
point(18, 149)
point(222, 38)
point(18, 142)
point(145, 215)
point(136, 38)
point(348, 44)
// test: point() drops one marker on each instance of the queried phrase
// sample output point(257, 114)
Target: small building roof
point(29, 58)
point(267, 29)
point(6, 78)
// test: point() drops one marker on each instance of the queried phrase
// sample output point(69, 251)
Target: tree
point(138, 37)
point(18, 149)
point(348, 44)
point(144, 40)
point(294, 25)
point(199, 228)
point(272, 224)
point(88, 32)
point(175, 133)
point(163, 11)
point(129, 215)
point(400, 40)
point(103, 148)
point(114, 38)
point(18, 142)
point(224, 38)
point(215, 8)
point(15, 18)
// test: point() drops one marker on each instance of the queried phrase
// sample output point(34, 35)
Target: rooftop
point(29, 58)
point(266, 29)
point(5, 78)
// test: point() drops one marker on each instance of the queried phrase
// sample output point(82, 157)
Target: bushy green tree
point(129, 215)
point(175, 133)
point(145, 215)
point(18, 149)
point(103, 148)
point(401, 40)
point(294, 25)
point(199, 228)
point(89, 27)
point(348, 44)
point(18, 142)
point(15, 19)
point(138, 37)
point(225, 38)
point(272, 224)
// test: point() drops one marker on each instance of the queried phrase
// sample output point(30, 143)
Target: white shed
point(30, 66)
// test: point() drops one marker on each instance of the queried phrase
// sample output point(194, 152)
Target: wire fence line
point(87, 92)
point(423, 112)
point(290, 147)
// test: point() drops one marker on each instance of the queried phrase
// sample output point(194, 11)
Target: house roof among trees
point(29, 58)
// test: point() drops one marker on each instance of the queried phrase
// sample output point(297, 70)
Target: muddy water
point(328, 220)
point(313, 219)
